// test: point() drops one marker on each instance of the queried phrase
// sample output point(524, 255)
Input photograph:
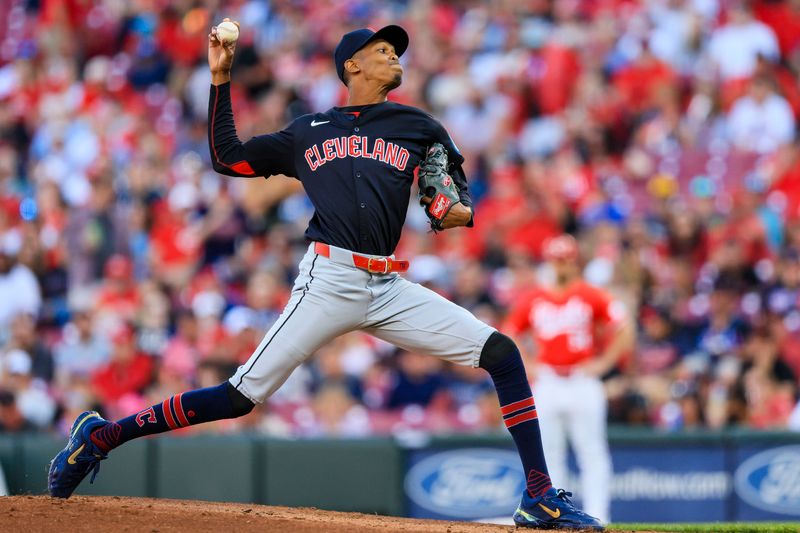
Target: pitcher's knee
point(240, 404)
point(499, 349)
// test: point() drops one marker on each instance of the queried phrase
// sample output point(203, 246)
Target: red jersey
point(564, 323)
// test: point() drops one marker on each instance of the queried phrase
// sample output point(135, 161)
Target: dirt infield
point(111, 514)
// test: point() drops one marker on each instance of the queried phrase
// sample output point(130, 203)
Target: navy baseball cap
point(356, 40)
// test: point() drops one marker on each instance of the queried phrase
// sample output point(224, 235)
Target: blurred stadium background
point(662, 133)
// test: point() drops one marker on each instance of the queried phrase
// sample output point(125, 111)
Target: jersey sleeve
point(263, 155)
point(518, 319)
point(607, 311)
point(456, 160)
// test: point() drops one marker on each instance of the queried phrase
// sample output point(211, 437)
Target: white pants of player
point(573, 409)
point(331, 297)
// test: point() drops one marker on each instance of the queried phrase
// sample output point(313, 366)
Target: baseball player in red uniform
point(568, 323)
point(356, 164)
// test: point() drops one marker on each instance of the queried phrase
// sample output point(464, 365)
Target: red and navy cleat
point(73, 463)
point(553, 510)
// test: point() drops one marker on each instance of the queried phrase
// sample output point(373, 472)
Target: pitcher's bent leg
point(415, 318)
point(325, 303)
point(277, 356)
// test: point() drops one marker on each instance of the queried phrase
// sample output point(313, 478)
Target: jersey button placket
point(362, 221)
point(362, 215)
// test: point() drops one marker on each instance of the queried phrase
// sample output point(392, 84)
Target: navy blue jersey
point(356, 164)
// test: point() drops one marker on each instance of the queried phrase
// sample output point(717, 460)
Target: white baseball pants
point(331, 297)
point(573, 409)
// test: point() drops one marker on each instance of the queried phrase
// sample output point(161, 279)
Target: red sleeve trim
point(243, 167)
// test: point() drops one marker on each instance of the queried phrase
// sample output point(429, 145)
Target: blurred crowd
point(661, 133)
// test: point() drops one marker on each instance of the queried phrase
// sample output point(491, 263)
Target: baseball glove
point(437, 185)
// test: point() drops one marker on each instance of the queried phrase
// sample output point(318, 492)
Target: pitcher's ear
point(351, 66)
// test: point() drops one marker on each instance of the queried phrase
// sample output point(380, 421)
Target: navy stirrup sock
point(181, 410)
point(519, 411)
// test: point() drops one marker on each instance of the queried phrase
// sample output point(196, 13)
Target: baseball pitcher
point(356, 164)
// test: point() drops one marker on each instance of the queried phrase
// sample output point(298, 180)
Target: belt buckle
point(375, 271)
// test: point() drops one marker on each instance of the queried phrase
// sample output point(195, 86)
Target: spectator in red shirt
point(176, 241)
point(555, 72)
point(128, 372)
point(740, 242)
point(784, 19)
point(639, 81)
point(119, 295)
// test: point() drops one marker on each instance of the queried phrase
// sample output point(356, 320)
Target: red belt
point(373, 265)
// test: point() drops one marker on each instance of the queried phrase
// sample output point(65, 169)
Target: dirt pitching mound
point(112, 514)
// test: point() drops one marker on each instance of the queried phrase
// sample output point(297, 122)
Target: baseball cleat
point(73, 463)
point(553, 510)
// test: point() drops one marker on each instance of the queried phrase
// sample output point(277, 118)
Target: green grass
point(716, 527)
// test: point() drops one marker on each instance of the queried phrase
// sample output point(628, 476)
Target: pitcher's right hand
point(220, 57)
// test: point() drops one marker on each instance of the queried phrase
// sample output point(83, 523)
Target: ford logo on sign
point(467, 483)
point(770, 480)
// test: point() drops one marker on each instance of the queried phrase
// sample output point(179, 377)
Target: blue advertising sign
point(464, 484)
point(660, 484)
point(767, 483)
point(669, 484)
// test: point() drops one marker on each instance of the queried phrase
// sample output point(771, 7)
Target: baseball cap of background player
point(357, 39)
point(562, 247)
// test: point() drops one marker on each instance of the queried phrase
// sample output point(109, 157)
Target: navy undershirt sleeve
point(263, 155)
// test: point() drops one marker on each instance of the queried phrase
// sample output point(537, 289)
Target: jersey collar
point(344, 114)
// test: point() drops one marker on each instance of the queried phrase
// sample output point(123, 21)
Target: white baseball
point(227, 32)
